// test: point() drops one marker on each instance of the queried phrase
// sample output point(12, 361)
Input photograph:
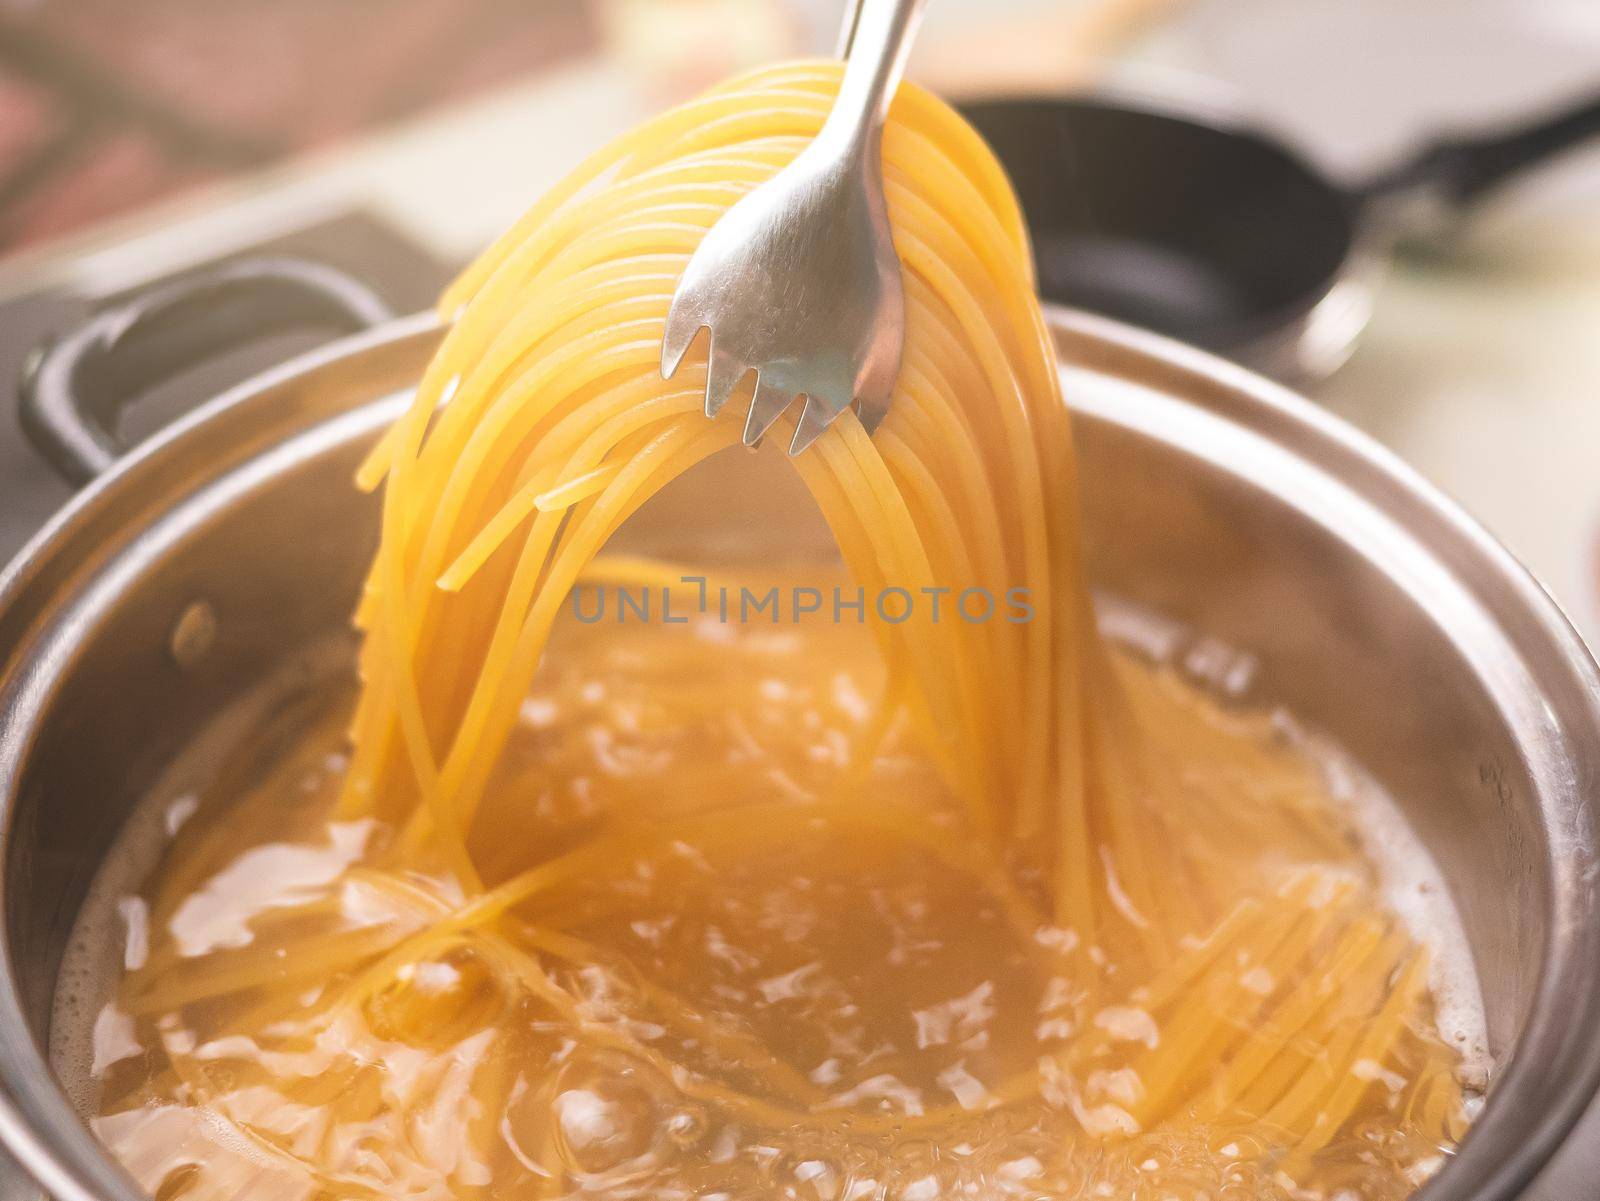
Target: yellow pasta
point(819, 908)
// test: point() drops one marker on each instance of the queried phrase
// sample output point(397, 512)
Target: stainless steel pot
point(1375, 610)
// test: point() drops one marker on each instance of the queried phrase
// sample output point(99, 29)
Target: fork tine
point(874, 391)
point(814, 419)
point(723, 374)
point(682, 328)
point(766, 406)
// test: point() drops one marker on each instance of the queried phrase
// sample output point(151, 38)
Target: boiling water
point(753, 1006)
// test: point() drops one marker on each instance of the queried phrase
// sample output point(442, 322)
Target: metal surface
point(74, 389)
point(799, 281)
point(1205, 228)
point(1376, 611)
point(70, 289)
point(847, 28)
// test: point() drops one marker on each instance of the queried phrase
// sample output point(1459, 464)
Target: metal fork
point(799, 281)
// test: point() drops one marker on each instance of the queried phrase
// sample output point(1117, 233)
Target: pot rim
point(1495, 1160)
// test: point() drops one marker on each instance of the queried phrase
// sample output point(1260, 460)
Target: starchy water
point(754, 966)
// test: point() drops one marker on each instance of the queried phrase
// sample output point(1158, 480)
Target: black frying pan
point(1221, 235)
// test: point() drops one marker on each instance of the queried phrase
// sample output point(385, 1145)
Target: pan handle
point(74, 388)
point(1459, 171)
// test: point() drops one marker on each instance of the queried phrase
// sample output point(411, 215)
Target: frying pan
point(1223, 236)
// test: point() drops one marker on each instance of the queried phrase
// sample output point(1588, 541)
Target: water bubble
point(178, 1182)
point(436, 1002)
point(813, 1178)
point(686, 1128)
point(609, 1115)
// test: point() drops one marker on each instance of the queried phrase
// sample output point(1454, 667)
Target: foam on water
point(1413, 885)
point(110, 932)
point(106, 930)
point(1415, 889)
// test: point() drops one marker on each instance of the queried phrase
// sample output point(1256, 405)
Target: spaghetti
point(817, 919)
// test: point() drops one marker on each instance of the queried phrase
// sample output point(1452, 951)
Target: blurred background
point(140, 138)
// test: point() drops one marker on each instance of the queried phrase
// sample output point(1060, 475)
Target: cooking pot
point(1353, 594)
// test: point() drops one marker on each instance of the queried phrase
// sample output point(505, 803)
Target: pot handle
point(1462, 170)
point(73, 389)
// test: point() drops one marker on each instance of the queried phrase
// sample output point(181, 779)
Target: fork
point(799, 281)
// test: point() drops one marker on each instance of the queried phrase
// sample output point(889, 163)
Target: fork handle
point(877, 49)
point(847, 28)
